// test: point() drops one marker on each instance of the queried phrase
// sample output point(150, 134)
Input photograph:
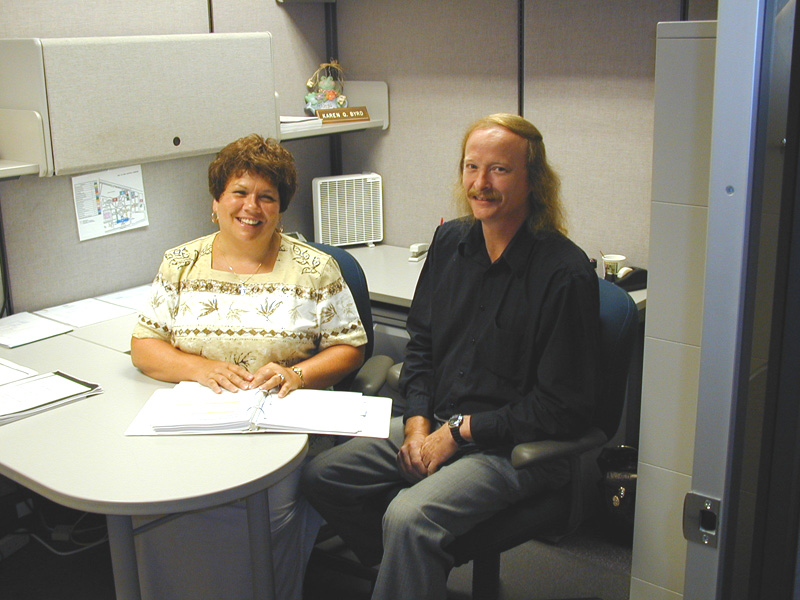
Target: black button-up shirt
point(513, 343)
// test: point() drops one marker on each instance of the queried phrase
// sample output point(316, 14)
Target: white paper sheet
point(10, 371)
point(84, 312)
point(24, 328)
point(133, 298)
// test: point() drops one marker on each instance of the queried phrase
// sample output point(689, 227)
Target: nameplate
point(343, 115)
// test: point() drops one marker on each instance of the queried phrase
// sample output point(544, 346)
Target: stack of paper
point(192, 408)
point(314, 411)
point(290, 124)
point(36, 393)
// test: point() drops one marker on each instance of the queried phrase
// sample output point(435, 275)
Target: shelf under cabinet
point(11, 168)
point(372, 94)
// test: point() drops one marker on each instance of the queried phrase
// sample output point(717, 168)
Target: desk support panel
point(123, 557)
point(260, 545)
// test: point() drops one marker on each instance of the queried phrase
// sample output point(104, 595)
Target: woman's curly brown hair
point(258, 156)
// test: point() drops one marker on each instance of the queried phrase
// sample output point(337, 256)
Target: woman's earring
point(214, 218)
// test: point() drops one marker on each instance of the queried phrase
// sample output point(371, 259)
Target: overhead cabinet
point(73, 105)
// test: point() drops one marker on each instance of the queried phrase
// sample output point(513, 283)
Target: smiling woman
point(244, 308)
point(248, 213)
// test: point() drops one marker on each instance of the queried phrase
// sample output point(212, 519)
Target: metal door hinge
point(701, 519)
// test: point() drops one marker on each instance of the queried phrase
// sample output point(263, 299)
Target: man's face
point(495, 177)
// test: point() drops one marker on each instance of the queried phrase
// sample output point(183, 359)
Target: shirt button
point(461, 373)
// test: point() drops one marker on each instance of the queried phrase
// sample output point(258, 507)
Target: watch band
point(454, 423)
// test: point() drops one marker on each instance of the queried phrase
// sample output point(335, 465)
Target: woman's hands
point(320, 371)
point(274, 375)
point(225, 376)
point(218, 375)
point(161, 360)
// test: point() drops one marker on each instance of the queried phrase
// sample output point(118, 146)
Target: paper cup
point(611, 265)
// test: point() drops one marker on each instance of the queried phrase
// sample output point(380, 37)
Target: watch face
point(455, 420)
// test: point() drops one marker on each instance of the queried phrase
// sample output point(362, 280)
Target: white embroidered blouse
point(301, 307)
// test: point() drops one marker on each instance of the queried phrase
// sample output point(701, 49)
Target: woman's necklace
point(242, 284)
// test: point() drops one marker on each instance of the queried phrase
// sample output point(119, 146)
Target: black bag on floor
point(618, 487)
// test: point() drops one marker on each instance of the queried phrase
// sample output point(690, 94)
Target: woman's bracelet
point(299, 371)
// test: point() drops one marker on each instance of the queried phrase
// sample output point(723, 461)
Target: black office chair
point(371, 376)
point(556, 514)
point(560, 512)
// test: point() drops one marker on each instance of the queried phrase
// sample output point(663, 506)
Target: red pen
point(441, 222)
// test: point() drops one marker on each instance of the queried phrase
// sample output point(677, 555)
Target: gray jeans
point(350, 485)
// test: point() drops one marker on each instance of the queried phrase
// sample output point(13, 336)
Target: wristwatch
point(454, 423)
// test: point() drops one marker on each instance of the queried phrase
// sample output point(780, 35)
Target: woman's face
point(248, 209)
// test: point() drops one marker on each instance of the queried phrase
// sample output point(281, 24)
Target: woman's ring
point(282, 377)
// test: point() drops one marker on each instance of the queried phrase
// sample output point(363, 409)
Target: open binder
point(191, 408)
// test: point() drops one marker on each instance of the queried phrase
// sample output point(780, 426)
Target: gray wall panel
point(446, 64)
point(47, 263)
point(79, 18)
point(589, 87)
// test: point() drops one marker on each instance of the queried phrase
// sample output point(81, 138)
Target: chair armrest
point(532, 453)
point(393, 377)
point(372, 375)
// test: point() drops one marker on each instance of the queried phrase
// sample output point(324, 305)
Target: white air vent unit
point(348, 209)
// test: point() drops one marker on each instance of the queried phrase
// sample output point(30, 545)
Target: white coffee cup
point(611, 265)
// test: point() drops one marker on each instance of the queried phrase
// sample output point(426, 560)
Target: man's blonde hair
point(544, 200)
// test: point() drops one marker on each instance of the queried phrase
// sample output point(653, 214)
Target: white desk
point(640, 298)
point(391, 278)
point(78, 456)
point(114, 334)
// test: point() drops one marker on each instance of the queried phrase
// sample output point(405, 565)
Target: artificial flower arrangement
point(325, 88)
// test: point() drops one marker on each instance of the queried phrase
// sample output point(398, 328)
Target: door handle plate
point(701, 519)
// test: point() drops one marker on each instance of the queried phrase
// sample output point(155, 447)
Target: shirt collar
point(516, 255)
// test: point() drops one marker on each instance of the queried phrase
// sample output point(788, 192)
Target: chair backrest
point(618, 320)
point(357, 282)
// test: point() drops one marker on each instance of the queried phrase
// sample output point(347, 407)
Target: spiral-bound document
point(191, 408)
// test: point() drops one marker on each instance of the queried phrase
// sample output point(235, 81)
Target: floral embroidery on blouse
point(303, 258)
point(302, 307)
